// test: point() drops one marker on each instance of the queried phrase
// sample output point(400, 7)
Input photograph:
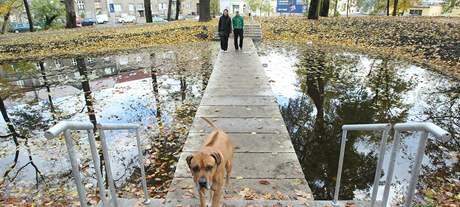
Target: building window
point(131, 8)
point(117, 7)
point(162, 6)
point(415, 12)
point(57, 63)
point(140, 7)
point(80, 5)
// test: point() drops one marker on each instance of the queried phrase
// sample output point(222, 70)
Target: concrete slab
point(238, 92)
point(238, 111)
point(254, 166)
point(273, 125)
point(239, 100)
point(240, 85)
point(270, 143)
point(242, 189)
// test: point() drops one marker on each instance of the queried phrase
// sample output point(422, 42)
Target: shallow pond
point(321, 88)
point(159, 88)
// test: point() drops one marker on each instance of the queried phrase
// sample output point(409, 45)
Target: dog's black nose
point(202, 182)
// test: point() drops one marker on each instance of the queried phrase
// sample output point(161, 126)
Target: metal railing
point(425, 127)
point(66, 127)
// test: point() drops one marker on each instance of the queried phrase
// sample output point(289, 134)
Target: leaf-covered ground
point(95, 41)
point(428, 41)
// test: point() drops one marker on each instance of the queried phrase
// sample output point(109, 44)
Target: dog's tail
point(209, 122)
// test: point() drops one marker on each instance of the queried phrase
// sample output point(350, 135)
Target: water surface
point(321, 88)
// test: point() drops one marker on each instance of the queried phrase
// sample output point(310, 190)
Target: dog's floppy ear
point(189, 160)
point(217, 157)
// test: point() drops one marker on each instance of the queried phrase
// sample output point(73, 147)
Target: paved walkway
point(239, 100)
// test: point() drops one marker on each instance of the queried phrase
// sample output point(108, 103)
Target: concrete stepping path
point(239, 100)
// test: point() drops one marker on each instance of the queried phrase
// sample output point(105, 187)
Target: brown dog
point(209, 164)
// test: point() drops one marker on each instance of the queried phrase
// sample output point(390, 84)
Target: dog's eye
point(208, 168)
point(196, 169)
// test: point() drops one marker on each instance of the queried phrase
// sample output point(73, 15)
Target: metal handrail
point(385, 128)
point(66, 126)
point(425, 127)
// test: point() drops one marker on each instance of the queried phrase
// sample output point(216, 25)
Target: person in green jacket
point(238, 26)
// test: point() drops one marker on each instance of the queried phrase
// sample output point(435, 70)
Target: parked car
point(22, 27)
point(88, 22)
point(125, 18)
point(158, 20)
point(102, 18)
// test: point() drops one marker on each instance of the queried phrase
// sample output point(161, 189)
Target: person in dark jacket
point(225, 28)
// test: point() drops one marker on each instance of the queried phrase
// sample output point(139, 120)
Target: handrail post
point(378, 171)
point(97, 167)
point(416, 168)
point(75, 167)
point(391, 168)
point(108, 168)
point(339, 169)
point(141, 165)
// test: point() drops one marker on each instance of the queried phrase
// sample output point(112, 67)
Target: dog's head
point(203, 165)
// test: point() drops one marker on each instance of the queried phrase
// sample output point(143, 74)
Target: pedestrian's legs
point(222, 42)
point(241, 38)
point(235, 38)
point(225, 42)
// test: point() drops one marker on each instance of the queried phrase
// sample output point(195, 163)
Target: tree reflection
point(329, 82)
point(444, 111)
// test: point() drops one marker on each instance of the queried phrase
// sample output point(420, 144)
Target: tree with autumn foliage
point(6, 8)
point(47, 11)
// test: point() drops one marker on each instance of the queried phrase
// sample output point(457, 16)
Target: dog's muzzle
point(203, 182)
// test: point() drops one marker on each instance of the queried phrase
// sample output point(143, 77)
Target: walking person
point(225, 28)
point(238, 28)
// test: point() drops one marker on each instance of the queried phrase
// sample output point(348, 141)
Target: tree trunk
point(348, 7)
point(205, 14)
point(6, 18)
point(148, 11)
point(183, 88)
point(336, 6)
point(49, 20)
point(71, 17)
point(8, 122)
point(153, 73)
point(29, 16)
point(325, 8)
point(81, 65)
point(177, 9)
point(169, 10)
point(313, 10)
point(395, 8)
point(46, 84)
point(388, 7)
point(13, 134)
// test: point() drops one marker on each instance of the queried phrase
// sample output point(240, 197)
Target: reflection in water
point(337, 87)
point(146, 87)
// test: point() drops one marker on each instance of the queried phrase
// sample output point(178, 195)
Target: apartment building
point(115, 8)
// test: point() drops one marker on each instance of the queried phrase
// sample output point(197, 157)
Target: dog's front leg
point(217, 195)
point(202, 197)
